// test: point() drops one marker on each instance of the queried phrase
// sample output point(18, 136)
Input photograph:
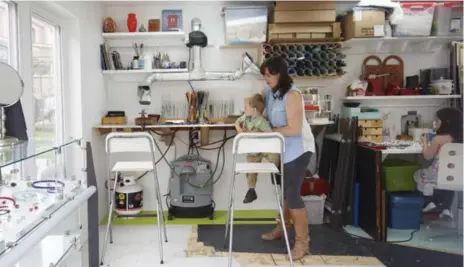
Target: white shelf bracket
point(380, 47)
point(404, 46)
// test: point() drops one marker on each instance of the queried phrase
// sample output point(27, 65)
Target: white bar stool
point(245, 143)
point(141, 142)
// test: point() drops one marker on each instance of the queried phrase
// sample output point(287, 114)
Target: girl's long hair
point(451, 123)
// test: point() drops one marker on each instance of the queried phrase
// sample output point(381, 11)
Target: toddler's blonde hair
point(256, 101)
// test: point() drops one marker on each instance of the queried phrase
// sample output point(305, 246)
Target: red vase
point(132, 22)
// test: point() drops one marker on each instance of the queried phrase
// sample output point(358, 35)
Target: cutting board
point(394, 66)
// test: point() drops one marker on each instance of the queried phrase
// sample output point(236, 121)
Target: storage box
point(404, 210)
point(245, 24)
point(370, 123)
point(364, 23)
point(315, 208)
point(447, 19)
point(304, 5)
point(417, 19)
point(301, 32)
point(398, 175)
point(302, 16)
point(349, 112)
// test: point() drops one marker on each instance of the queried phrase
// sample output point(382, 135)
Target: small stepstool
point(141, 142)
point(246, 143)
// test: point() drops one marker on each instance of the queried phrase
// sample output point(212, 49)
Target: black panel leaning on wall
point(309, 60)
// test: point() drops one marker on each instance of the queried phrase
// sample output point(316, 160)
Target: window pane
point(46, 87)
point(4, 32)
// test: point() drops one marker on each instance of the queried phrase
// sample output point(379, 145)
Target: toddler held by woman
point(253, 121)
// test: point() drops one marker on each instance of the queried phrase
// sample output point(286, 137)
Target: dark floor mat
point(325, 241)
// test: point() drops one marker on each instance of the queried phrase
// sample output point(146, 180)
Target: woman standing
point(285, 110)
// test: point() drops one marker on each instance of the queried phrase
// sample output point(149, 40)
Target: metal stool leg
point(110, 218)
point(159, 214)
point(160, 200)
point(228, 218)
point(231, 219)
point(282, 219)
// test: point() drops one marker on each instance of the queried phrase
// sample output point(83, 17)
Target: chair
point(245, 143)
point(141, 142)
point(450, 177)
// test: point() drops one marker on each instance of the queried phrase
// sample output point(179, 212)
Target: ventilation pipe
point(198, 40)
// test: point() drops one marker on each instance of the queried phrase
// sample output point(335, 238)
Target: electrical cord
point(163, 156)
point(411, 236)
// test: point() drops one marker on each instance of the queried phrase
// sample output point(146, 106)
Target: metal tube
point(14, 255)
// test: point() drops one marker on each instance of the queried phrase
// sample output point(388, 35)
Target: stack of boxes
point(371, 131)
point(304, 21)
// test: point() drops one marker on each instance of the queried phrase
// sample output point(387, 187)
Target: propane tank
point(129, 197)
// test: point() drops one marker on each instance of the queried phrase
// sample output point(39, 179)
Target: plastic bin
point(417, 20)
point(315, 207)
point(447, 19)
point(245, 24)
point(398, 175)
point(404, 210)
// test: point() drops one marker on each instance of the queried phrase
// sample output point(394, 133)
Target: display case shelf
point(28, 149)
point(30, 213)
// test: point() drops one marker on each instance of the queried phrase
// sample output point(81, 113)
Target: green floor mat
point(240, 217)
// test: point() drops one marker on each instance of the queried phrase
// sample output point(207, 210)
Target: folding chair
point(245, 143)
point(141, 142)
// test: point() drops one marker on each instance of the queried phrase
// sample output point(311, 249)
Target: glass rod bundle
point(309, 60)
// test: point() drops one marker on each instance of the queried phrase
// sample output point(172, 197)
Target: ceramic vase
point(131, 22)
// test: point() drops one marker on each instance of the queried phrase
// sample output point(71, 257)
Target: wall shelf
point(141, 35)
point(118, 72)
point(401, 44)
point(404, 97)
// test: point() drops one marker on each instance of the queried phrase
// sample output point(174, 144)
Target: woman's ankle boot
point(300, 223)
point(278, 231)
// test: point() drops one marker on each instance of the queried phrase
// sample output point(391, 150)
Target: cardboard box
point(301, 32)
point(364, 24)
point(304, 5)
point(304, 16)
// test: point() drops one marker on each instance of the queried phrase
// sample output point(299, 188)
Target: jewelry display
point(48, 187)
point(5, 200)
point(30, 195)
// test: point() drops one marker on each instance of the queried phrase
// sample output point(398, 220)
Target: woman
point(285, 110)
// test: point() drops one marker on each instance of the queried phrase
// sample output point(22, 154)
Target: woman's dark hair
point(277, 65)
point(451, 123)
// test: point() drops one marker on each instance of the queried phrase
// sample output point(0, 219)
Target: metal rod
point(14, 255)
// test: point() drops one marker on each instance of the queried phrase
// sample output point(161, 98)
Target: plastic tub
point(245, 24)
point(315, 207)
point(447, 19)
point(404, 210)
point(417, 20)
point(398, 175)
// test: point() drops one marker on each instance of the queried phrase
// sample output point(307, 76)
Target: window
point(47, 93)
point(5, 32)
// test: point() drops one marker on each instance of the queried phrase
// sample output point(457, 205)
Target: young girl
point(448, 125)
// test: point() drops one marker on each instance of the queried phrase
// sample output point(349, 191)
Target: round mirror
point(11, 85)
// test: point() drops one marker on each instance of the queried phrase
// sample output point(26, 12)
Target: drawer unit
point(371, 138)
point(370, 123)
point(371, 131)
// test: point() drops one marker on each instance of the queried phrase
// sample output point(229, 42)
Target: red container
point(131, 22)
point(312, 186)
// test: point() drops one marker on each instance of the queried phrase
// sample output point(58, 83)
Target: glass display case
point(43, 195)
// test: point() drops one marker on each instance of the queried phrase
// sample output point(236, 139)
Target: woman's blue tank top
point(277, 114)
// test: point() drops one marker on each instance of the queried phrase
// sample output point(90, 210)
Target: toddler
point(253, 121)
point(448, 125)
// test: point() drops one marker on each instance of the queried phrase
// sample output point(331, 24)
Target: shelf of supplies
point(116, 72)
point(141, 35)
point(241, 46)
point(402, 44)
point(401, 97)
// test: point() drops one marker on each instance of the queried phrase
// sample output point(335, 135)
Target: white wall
point(121, 93)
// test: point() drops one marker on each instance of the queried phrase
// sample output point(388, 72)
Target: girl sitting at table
point(448, 125)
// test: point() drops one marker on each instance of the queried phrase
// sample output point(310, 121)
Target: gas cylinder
point(129, 197)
